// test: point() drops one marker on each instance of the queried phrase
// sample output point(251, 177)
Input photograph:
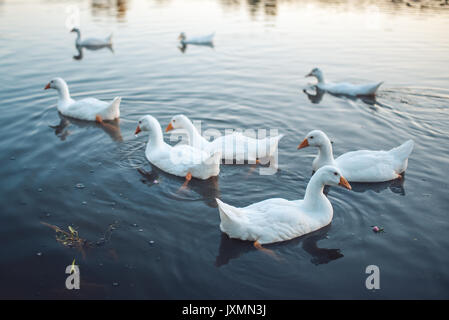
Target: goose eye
point(311, 137)
point(174, 120)
point(140, 122)
point(335, 174)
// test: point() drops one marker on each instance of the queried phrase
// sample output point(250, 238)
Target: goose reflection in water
point(396, 186)
point(207, 189)
point(183, 46)
point(234, 248)
point(80, 48)
point(317, 96)
point(112, 128)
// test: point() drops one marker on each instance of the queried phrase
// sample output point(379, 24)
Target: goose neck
point(320, 78)
point(325, 153)
point(63, 92)
point(314, 192)
point(155, 137)
point(193, 134)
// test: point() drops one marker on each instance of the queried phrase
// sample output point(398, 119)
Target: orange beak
point(304, 144)
point(137, 130)
point(344, 183)
point(47, 86)
point(169, 127)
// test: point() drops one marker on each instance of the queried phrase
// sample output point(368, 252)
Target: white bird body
point(84, 109)
point(206, 39)
point(92, 43)
point(361, 165)
point(178, 160)
point(348, 89)
point(275, 220)
point(235, 146)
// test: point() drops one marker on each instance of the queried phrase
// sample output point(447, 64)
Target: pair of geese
point(104, 42)
point(268, 221)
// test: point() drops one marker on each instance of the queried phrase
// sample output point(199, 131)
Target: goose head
point(75, 30)
point(331, 176)
point(179, 121)
point(182, 36)
point(150, 124)
point(56, 83)
point(315, 138)
point(317, 73)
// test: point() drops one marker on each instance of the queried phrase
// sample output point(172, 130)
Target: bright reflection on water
point(146, 240)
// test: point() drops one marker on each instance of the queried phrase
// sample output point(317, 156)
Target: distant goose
point(91, 42)
point(90, 109)
point(208, 39)
point(362, 165)
point(277, 219)
point(232, 146)
point(344, 88)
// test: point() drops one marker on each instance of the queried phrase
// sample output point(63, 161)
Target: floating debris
point(40, 190)
point(115, 284)
point(156, 181)
point(69, 239)
point(151, 242)
point(39, 254)
point(377, 229)
point(84, 202)
point(80, 186)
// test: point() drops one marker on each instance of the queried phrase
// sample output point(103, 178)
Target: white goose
point(90, 109)
point(180, 160)
point(277, 219)
point(362, 165)
point(208, 39)
point(91, 42)
point(232, 146)
point(344, 88)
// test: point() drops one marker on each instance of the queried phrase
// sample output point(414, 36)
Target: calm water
point(148, 240)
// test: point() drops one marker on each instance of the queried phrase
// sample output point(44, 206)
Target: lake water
point(147, 240)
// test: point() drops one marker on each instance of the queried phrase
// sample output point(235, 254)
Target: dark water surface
point(148, 240)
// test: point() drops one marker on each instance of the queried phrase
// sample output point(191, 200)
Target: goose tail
point(114, 107)
point(401, 155)
point(404, 150)
point(109, 39)
point(376, 87)
point(229, 216)
point(213, 163)
point(274, 143)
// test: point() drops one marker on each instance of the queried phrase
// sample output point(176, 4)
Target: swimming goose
point(91, 42)
point(343, 88)
point(90, 109)
point(362, 165)
point(208, 39)
point(277, 219)
point(181, 160)
point(232, 146)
